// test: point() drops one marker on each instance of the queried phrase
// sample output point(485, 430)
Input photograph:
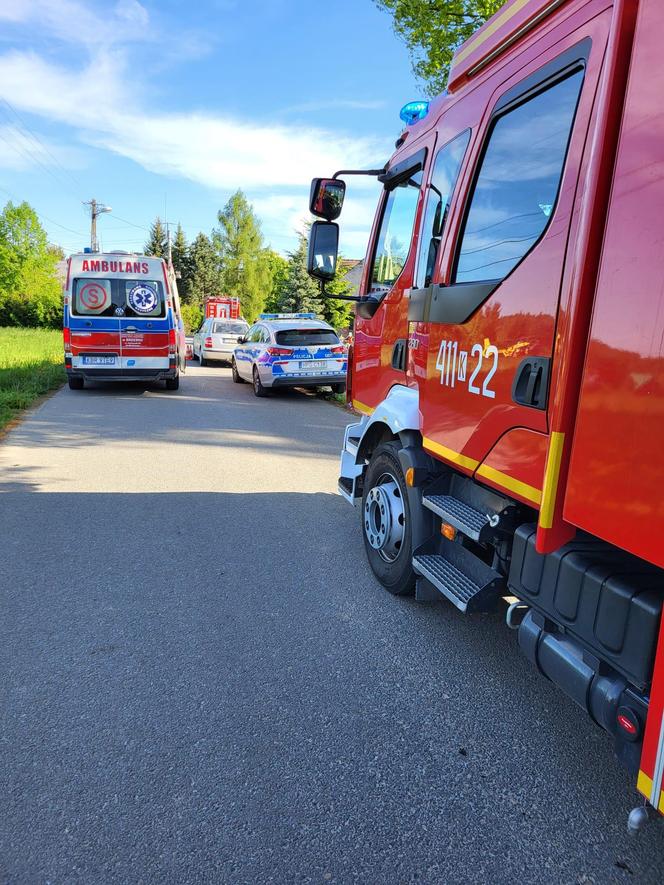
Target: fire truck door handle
point(531, 382)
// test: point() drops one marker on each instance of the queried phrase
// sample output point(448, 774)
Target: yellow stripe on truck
point(551, 475)
point(361, 407)
point(530, 493)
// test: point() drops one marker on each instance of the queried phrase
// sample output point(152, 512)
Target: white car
point(217, 338)
point(290, 350)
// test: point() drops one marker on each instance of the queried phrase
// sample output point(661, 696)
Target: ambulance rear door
point(94, 326)
point(144, 324)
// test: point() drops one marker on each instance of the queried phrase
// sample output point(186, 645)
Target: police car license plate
point(311, 365)
point(99, 360)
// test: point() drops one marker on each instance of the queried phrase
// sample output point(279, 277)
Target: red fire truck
point(508, 360)
point(222, 307)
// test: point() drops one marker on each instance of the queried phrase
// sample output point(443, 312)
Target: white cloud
point(103, 97)
point(215, 151)
point(132, 11)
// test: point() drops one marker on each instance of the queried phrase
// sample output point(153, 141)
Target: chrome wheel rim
point(383, 517)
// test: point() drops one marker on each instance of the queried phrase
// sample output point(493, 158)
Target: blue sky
point(166, 108)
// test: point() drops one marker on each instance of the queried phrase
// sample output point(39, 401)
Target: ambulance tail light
point(66, 337)
point(208, 342)
point(171, 341)
point(280, 351)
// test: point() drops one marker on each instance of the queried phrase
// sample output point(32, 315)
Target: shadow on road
point(212, 687)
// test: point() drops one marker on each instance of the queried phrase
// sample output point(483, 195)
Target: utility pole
point(95, 210)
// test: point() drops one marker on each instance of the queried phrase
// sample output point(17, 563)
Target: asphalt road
point(202, 682)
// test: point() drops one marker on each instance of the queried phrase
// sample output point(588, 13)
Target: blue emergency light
point(414, 111)
point(287, 316)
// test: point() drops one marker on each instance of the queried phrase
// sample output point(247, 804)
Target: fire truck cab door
point(380, 337)
point(481, 348)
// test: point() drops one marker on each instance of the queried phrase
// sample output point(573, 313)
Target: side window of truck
point(396, 229)
point(441, 187)
point(517, 187)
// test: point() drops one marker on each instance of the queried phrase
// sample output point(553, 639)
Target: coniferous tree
point(205, 279)
point(243, 260)
point(182, 264)
point(300, 292)
point(156, 245)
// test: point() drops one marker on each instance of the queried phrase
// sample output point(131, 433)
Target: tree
point(244, 263)
point(433, 29)
point(156, 245)
point(337, 313)
point(277, 268)
point(300, 293)
point(182, 264)
point(205, 276)
point(30, 291)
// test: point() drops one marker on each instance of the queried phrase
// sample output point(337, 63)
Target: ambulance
point(122, 320)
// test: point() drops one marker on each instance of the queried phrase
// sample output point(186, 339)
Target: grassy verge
point(31, 364)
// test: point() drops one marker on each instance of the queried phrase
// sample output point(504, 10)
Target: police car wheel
point(259, 390)
point(235, 374)
point(338, 388)
point(76, 383)
point(386, 521)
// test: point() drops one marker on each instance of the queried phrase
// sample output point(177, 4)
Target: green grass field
point(31, 364)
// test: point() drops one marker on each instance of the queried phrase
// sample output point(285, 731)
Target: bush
point(192, 316)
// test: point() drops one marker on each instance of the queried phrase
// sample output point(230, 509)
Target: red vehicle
point(122, 320)
point(222, 308)
point(508, 358)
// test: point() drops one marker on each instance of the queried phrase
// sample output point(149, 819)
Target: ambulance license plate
point(99, 360)
point(312, 365)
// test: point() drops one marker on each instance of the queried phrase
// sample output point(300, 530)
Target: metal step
point(352, 444)
point(462, 516)
point(345, 485)
point(458, 574)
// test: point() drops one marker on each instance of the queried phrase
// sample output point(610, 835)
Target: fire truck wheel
point(75, 383)
point(259, 390)
point(386, 521)
point(173, 383)
point(235, 374)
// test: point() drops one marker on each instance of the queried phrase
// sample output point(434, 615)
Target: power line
point(37, 140)
point(41, 215)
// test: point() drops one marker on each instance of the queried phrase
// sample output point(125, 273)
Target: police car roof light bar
point(287, 316)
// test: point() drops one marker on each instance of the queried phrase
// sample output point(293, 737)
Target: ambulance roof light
point(414, 111)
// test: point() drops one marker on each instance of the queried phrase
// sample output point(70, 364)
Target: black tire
point(338, 388)
point(76, 383)
point(235, 374)
point(259, 390)
point(391, 565)
point(202, 359)
point(173, 383)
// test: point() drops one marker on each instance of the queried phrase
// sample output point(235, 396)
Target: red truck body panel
point(587, 298)
point(222, 308)
point(615, 482)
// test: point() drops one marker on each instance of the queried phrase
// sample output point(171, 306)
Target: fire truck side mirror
point(323, 250)
point(327, 197)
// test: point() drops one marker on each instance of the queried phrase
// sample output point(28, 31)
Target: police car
point(290, 350)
